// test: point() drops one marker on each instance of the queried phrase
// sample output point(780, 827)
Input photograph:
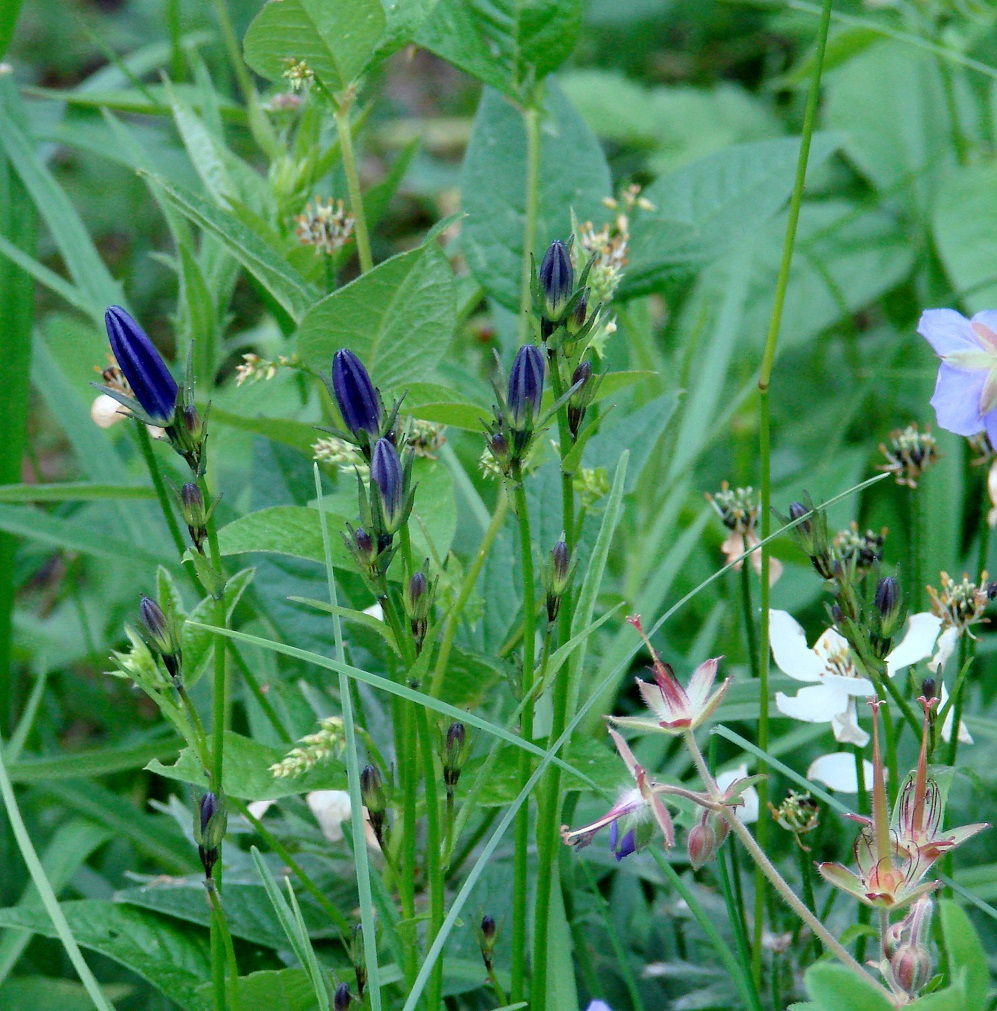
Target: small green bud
point(372, 792)
point(579, 401)
point(554, 576)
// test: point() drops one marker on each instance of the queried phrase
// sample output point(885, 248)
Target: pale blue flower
point(965, 397)
point(598, 1005)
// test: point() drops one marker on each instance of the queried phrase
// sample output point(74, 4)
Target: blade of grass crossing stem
point(27, 720)
point(765, 457)
point(293, 928)
point(392, 688)
point(45, 892)
point(353, 777)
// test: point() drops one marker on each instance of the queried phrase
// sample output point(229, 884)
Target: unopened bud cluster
point(909, 454)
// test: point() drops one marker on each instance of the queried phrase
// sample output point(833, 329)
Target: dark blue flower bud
point(154, 388)
point(526, 387)
point(488, 928)
point(209, 830)
point(557, 278)
point(389, 479)
point(356, 397)
point(454, 754)
point(342, 998)
point(161, 634)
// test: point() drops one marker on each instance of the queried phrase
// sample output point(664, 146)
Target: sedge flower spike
point(965, 397)
point(674, 709)
point(142, 365)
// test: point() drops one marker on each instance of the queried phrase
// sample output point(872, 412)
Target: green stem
point(957, 697)
point(467, 588)
point(218, 914)
point(406, 748)
point(765, 453)
point(916, 547)
point(145, 445)
point(201, 741)
point(353, 181)
point(531, 122)
point(806, 877)
point(433, 859)
point(522, 832)
point(176, 52)
point(749, 618)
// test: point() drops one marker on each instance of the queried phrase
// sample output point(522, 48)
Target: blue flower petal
point(947, 331)
point(991, 422)
point(956, 400)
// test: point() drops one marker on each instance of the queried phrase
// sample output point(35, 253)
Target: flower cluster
point(328, 227)
point(738, 511)
point(328, 741)
point(909, 454)
point(253, 368)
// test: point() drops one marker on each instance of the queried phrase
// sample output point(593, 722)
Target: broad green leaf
point(835, 988)
point(398, 318)
point(174, 960)
point(506, 44)
point(965, 952)
point(276, 990)
point(336, 38)
point(435, 402)
point(246, 773)
point(43, 993)
point(248, 913)
point(703, 209)
point(573, 176)
point(288, 288)
point(283, 530)
point(965, 228)
point(894, 141)
point(290, 433)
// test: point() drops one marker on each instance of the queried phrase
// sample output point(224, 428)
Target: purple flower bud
point(526, 387)
point(342, 998)
point(209, 808)
point(488, 928)
point(142, 365)
point(160, 634)
point(557, 278)
point(358, 401)
point(624, 846)
point(454, 755)
point(389, 480)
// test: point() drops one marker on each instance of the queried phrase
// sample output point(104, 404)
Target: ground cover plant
point(564, 433)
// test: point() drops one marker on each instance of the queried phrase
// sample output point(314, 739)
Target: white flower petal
point(965, 737)
point(945, 648)
point(789, 648)
point(815, 704)
point(917, 643)
point(862, 687)
point(837, 771)
point(258, 808)
point(748, 811)
point(331, 808)
point(846, 727)
point(375, 611)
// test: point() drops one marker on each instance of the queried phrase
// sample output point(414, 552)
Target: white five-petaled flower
point(829, 666)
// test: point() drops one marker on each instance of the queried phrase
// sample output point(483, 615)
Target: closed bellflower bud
point(193, 424)
point(555, 575)
point(557, 279)
point(417, 599)
point(579, 401)
point(209, 830)
point(486, 940)
point(194, 513)
point(578, 316)
point(358, 401)
point(389, 479)
point(526, 387)
point(154, 388)
point(160, 634)
point(342, 998)
point(454, 755)
point(372, 792)
point(358, 956)
point(498, 446)
point(888, 602)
